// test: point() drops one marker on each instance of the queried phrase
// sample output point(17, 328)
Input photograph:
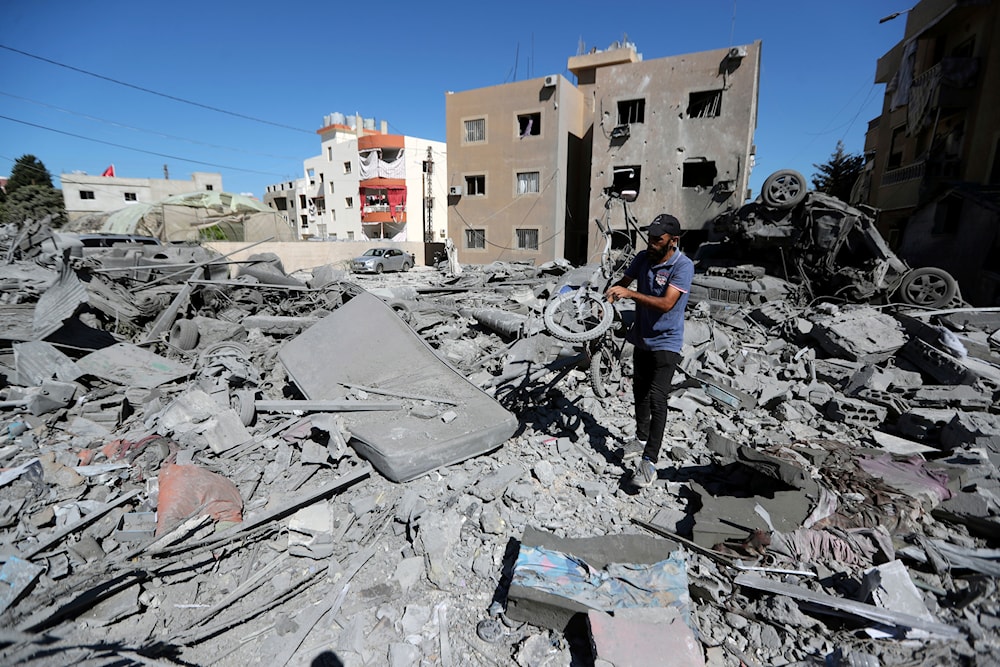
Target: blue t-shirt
point(653, 329)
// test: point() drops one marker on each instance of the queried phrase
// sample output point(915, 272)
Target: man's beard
point(657, 253)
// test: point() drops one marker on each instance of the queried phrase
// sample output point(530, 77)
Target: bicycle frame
point(615, 260)
point(585, 314)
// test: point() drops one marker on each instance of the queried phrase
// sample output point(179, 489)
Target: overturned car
point(794, 243)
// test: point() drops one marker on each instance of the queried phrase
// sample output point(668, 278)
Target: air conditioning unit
point(738, 52)
point(551, 80)
point(621, 132)
point(455, 190)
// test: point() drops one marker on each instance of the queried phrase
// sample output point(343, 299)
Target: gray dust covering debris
point(210, 462)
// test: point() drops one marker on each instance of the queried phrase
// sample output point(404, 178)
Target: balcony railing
point(910, 172)
point(383, 208)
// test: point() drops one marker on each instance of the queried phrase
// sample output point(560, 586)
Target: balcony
point(383, 213)
point(911, 172)
point(383, 208)
point(950, 83)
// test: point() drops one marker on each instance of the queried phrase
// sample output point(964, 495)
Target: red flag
point(110, 171)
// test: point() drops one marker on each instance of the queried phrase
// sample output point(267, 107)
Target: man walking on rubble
point(663, 277)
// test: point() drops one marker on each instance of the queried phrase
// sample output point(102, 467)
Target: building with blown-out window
point(530, 163)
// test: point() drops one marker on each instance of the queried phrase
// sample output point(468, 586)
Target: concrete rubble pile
point(410, 469)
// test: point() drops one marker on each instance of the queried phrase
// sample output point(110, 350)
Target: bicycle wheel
point(605, 372)
point(576, 317)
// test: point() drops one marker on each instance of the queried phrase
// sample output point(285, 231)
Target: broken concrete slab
point(860, 334)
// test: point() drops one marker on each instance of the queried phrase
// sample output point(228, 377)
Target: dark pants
point(653, 370)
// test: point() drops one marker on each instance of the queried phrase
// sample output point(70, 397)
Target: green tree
point(28, 170)
point(30, 195)
point(34, 202)
point(839, 174)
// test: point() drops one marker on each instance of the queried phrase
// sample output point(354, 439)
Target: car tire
point(244, 403)
point(929, 287)
point(183, 335)
point(784, 189)
point(378, 268)
point(402, 309)
point(406, 267)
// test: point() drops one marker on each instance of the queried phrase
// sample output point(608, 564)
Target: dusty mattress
point(365, 343)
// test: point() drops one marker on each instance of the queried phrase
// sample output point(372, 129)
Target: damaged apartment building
point(933, 155)
point(366, 184)
point(675, 131)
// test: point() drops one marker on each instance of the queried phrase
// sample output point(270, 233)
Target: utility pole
point(428, 197)
point(166, 173)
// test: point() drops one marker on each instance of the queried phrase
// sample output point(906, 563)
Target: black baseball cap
point(662, 224)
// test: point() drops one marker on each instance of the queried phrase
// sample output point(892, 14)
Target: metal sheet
point(132, 366)
point(37, 361)
point(58, 303)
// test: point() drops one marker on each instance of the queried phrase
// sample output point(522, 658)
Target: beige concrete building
point(85, 194)
point(367, 184)
point(516, 190)
point(531, 161)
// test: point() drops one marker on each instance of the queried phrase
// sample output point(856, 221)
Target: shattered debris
point(402, 469)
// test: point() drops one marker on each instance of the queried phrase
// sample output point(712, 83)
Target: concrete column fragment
point(863, 334)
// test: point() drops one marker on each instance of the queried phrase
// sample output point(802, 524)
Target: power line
point(154, 92)
point(140, 129)
point(139, 150)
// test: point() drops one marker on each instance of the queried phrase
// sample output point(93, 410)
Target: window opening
point(626, 178)
point(631, 111)
point(475, 185)
point(475, 130)
point(529, 125)
point(527, 239)
point(475, 239)
point(527, 182)
point(699, 174)
point(896, 148)
point(705, 104)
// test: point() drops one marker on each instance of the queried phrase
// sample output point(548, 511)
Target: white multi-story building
point(85, 194)
point(367, 184)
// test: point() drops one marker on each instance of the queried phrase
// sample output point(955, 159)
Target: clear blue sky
point(289, 64)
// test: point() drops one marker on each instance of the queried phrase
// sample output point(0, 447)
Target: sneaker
point(633, 449)
point(645, 473)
